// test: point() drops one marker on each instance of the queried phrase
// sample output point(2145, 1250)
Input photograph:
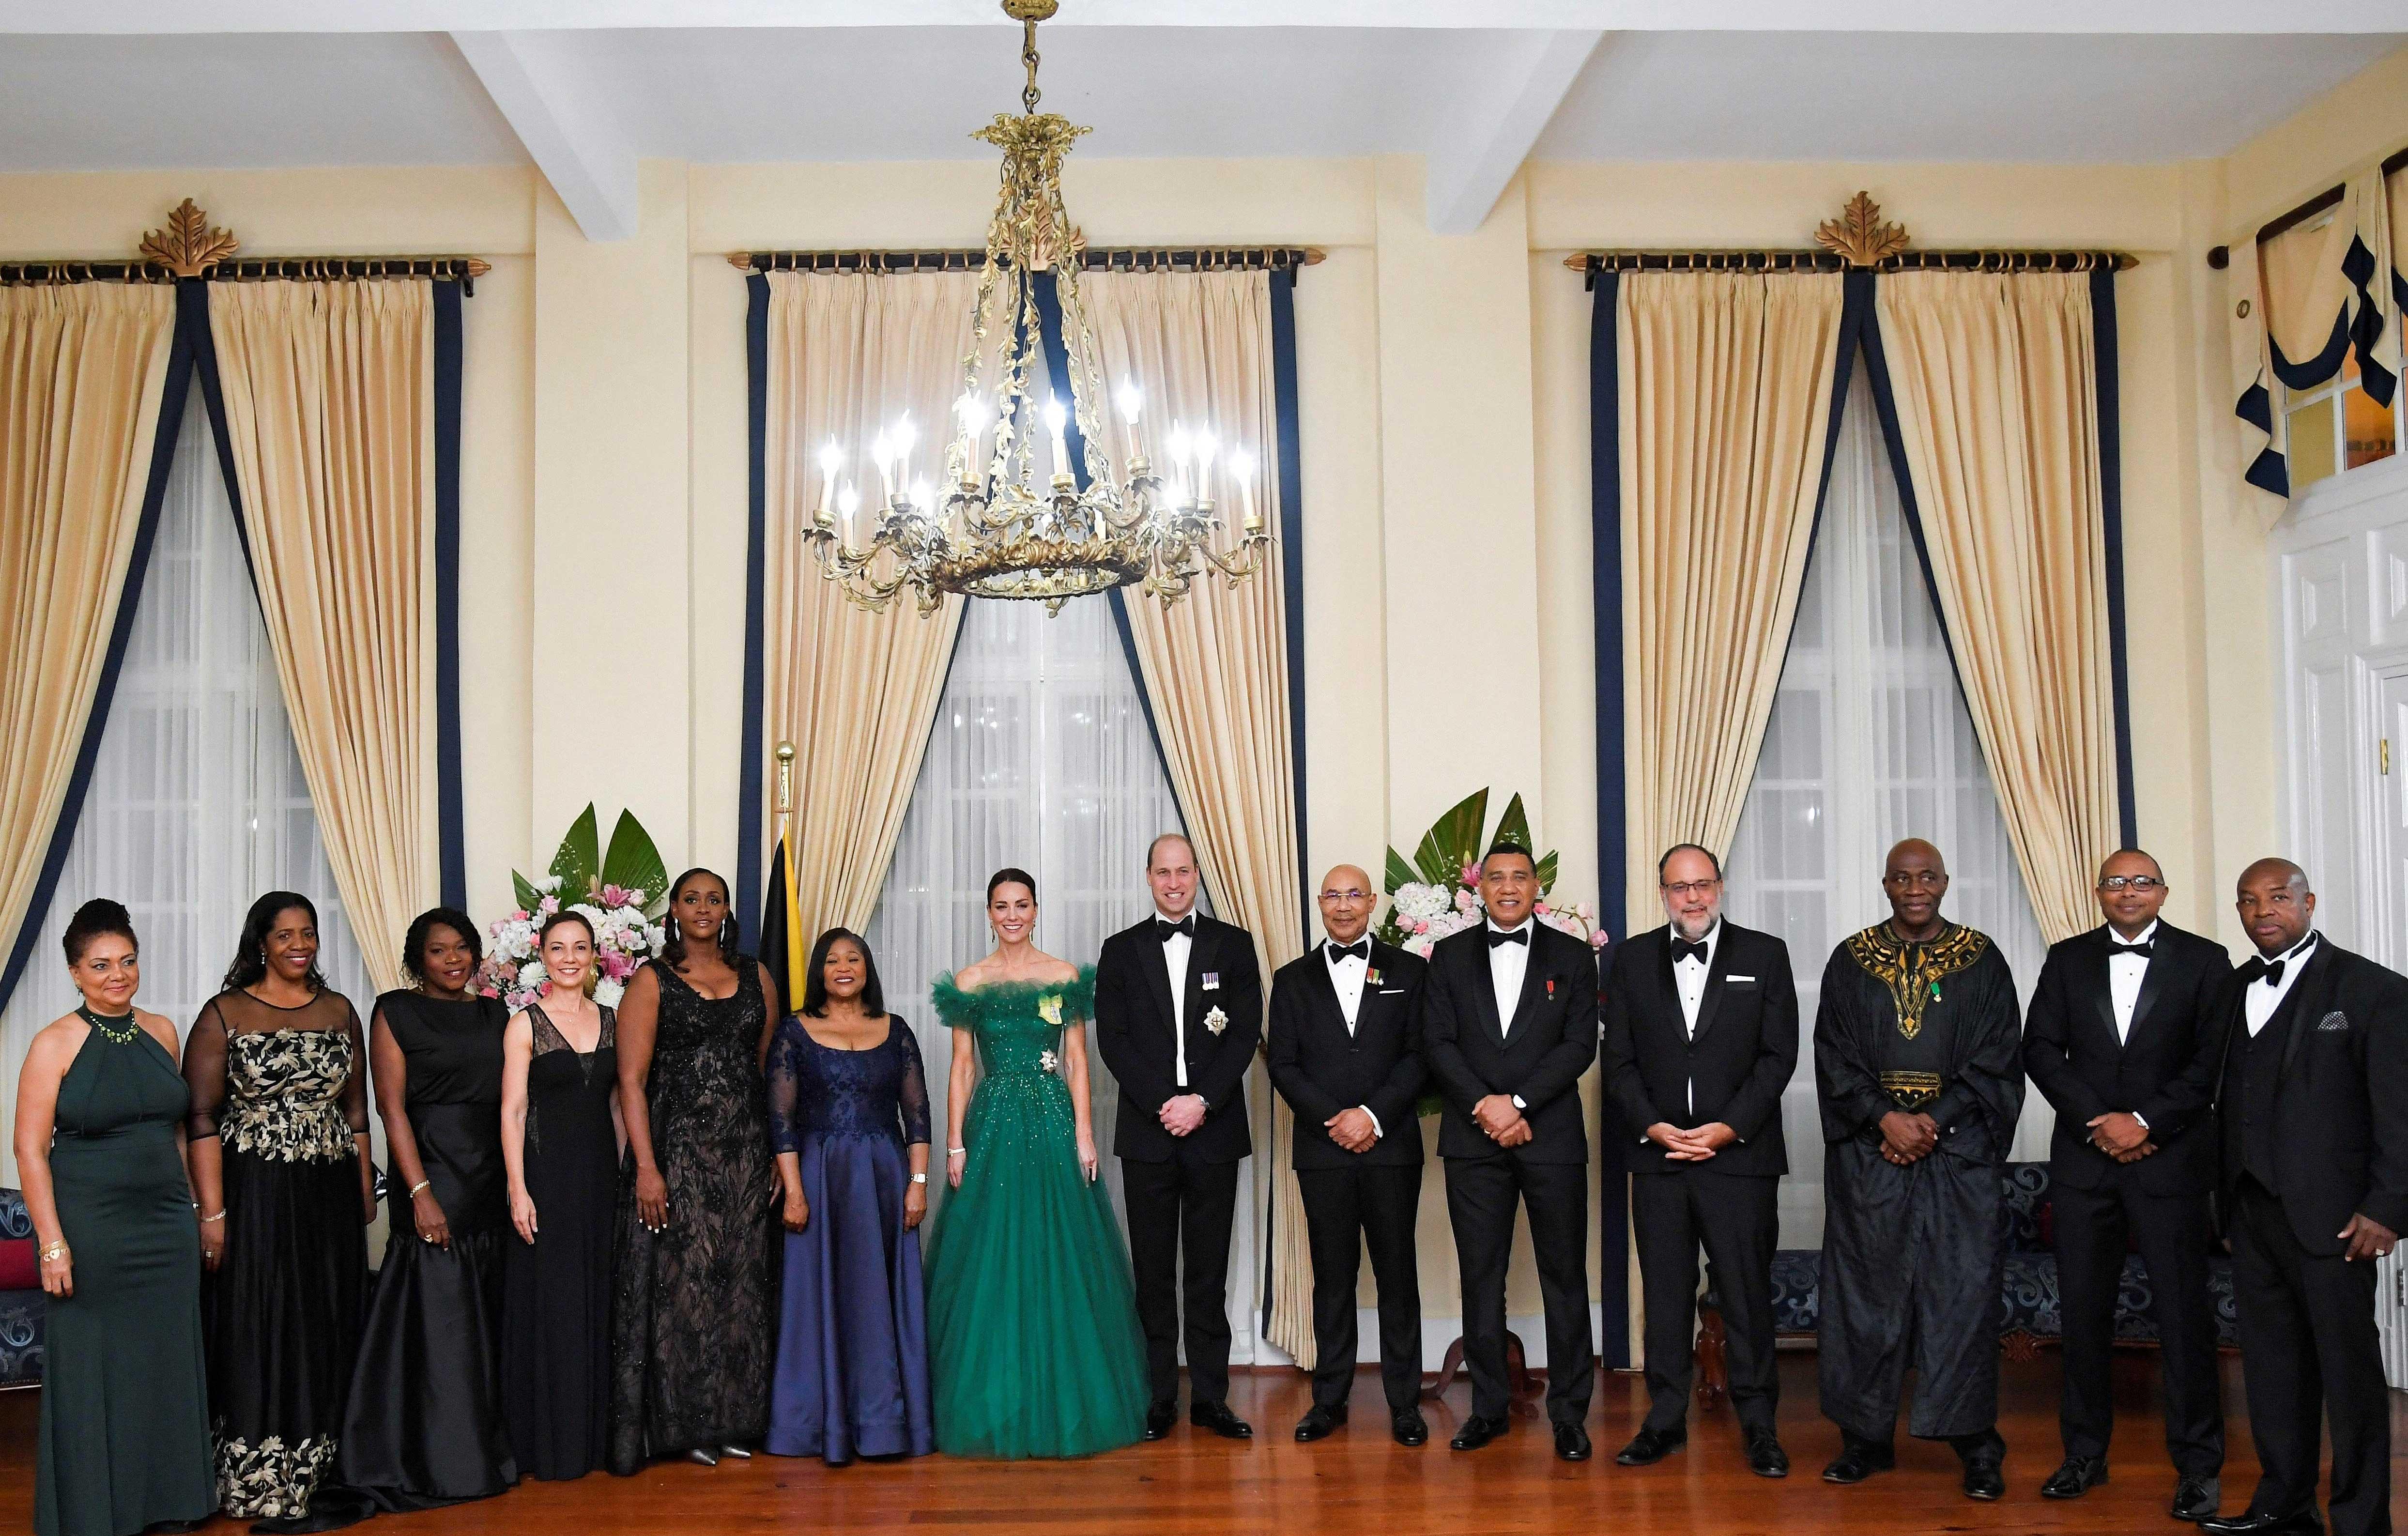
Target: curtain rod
point(2220, 257)
point(462, 269)
point(1593, 261)
point(1149, 259)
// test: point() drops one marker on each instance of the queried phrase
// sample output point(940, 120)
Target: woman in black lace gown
point(694, 1319)
point(423, 1426)
point(560, 1073)
point(279, 1146)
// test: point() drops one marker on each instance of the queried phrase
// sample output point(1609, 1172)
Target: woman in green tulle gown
point(1033, 1341)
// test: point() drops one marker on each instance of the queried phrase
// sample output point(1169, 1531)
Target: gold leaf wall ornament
point(190, 245)
point(1859, 235)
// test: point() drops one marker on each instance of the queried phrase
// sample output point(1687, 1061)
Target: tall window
point(1869, 742)
point(197, 804)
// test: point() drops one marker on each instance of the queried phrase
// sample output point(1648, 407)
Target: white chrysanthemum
point(607, 992)
point(1416, 900)
point(531, 975)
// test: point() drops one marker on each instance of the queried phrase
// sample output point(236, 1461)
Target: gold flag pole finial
point(785, 778)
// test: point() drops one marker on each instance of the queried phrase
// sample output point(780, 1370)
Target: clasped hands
point(1351, 1129)
point(1908, 1138)
point(1503, 1123)
point(1691, 1146)
point(1182, 1116)
point(2121, 1136)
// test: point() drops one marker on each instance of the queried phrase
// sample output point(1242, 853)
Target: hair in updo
point(566, 914)
point(1009, 876)
point(97, 919)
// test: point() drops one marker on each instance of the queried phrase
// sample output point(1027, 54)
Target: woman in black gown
point(279, 1146)
point(423, 1426)
point(693, 1320)
point(560, 1073)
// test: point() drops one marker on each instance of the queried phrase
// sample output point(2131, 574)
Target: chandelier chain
point(1029, 96)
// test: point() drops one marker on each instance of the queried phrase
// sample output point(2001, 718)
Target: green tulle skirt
point(1034, 1348)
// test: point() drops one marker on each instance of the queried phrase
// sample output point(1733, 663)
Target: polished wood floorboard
point(1359, 1481)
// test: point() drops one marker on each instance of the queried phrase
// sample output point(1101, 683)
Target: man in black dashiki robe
point(1918, 1070)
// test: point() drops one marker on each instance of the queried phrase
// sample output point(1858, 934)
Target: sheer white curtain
point(1869, 742)
point(197, 804)
point(1040, 758)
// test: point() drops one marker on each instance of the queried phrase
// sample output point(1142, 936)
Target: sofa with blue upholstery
point(2029, 1311)
point(22, 1306)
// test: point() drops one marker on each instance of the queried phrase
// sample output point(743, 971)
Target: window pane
point(2312, 443)
point(2369, 431)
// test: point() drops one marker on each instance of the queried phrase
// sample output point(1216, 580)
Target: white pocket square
point(1732, 980)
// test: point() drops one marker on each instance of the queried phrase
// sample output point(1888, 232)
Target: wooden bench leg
point(1524, 1387)
point(1714, 1367)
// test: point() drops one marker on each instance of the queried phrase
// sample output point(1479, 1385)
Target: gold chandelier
point(992, 527)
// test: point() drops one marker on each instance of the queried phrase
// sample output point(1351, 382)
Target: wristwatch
point(919, 1178)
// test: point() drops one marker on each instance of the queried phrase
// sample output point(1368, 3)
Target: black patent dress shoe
point(1984, 1480)
point(1649, 1447)
point(1410, 1428)
point(2196, 1498)
point(1476, 1432)
point(1159, 1417)
point(1571, 1443)
point(2305, 1523)
point(2075, 1477)
point(1764, 1456)
point(1320, 1423)
point(1216, 1417)
point(1857, 1462)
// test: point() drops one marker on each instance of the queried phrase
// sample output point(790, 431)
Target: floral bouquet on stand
point(623, 893)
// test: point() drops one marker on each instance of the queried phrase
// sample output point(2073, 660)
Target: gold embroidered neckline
point(1912, 972)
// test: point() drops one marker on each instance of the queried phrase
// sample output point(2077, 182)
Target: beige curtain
point(854, 691)
point(2253, 368)
point(330, 408)
point(1726, 402)
point(2305, 291)
point(1215, 665)
point(1996, 386)
point(83, 369)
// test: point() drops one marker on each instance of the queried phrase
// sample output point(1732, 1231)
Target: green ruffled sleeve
point(957, 1008)
point(1079, 998)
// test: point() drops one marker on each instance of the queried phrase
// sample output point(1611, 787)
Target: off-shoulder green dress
point(1033, 1341)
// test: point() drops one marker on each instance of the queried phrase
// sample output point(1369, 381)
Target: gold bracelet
point(56, 1250)
point(419, 1185)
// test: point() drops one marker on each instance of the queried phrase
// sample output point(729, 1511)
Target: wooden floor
point(1359, 1481)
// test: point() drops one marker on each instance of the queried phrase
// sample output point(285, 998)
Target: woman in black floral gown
point(693, 1320)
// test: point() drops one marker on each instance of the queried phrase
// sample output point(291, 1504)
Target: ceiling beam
point(1497, 116)
point(566, 126)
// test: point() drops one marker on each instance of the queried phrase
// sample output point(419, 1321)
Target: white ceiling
point(125, 84)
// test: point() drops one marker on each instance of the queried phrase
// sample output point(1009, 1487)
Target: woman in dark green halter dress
point(125, 1441)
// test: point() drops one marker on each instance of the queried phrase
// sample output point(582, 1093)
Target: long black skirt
point(423, 1426)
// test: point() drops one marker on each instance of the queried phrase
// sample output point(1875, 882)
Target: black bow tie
point(1165, 930)
point(2273, 976)
point(1684, 949)
point(1359, 950)
point(2145, 948)
point(1519, 936)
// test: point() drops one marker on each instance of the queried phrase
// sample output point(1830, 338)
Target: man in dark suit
point(1510, 1024)
point(1700, 1038)
point(1179, 1010)
point(1345, 1053)
point(2313, 1107)
point(2124, 1036)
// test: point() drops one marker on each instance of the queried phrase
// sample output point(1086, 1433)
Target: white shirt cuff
point(1519, 1103)
point(1376, 1130)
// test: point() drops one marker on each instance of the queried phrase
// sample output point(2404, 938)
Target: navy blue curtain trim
point(1291, 489)
point(193, 320)
point(2317, 369)
point(451, 799)
point(2267, 471)
point(1613, 825)
point(129, 602)
point(2366, 330)
point(1886, 406)
point(749, 788)
point(2400, 287)
point(2110, 515)
point(2256, 406)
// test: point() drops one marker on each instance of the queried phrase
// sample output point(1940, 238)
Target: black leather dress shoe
point(1571, 1443)
point(1764, 1456)
point(1320, 1423)
point(1649, 1447)
point(1476, 1432)
point(2077, 1476)
point(1159, 1417)
point(2196, 1498)
point(2305, 1523)
point(1410, 1428)
point(1858, 1461)
point(1216, 1417)
point(1983, 1480)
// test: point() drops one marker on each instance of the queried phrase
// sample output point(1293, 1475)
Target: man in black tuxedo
point(1509, 1023)
point(1179, 1010)
point(1700, 1038)
point(2313, 1106)
point(1346, 1054)
point(2123, 1036)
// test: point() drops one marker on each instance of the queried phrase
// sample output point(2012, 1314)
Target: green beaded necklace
point(111, 1028)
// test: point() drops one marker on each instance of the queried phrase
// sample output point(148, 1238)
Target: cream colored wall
point(1443, 385)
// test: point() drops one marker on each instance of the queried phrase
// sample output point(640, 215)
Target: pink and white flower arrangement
point(1436, 893)
point(621, 894)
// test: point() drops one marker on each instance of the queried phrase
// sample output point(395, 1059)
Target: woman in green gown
point(124, 1438)
point(1033, 1341)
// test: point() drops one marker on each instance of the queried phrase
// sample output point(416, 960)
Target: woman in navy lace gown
point(849, 1117)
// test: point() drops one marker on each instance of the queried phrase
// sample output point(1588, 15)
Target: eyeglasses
point(1685, 889)
point(1345, 895)
point(2131, 882)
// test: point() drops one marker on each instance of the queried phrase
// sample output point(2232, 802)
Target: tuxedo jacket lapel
point(1531, 984)
point(1483, 991)
point(1325, 994)
point(2102, 987)
point(2153, 985)
point(1716, 970)
point(2307, 1002)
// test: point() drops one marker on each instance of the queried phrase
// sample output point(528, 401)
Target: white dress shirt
point(2124, 973)
point(1347, 975)
point(1174, 960)
point(2261, 997)
point(1508, 963)
point(1689, 979)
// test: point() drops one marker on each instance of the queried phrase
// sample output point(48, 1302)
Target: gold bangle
point(56, 1250)
point(419, 1185)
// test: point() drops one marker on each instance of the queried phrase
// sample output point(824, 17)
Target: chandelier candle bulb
point(831, 458)
point(847, 502)
point(1055, 418)
point(1241, 469)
